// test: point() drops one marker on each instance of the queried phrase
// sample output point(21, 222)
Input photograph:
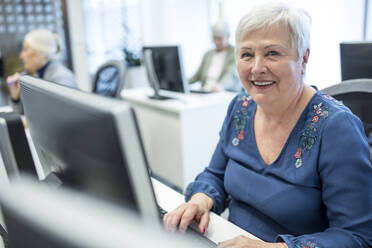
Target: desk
point(219, 229)
point(179, 135)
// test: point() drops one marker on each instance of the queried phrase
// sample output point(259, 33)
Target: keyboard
point(201, 91)
point(195, 238)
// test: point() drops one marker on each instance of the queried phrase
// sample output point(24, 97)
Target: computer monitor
point(164, 70)
point(356, 60)
point(91, 142)
point(60, 218)
point(14, 147)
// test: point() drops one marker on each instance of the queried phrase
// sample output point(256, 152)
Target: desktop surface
point(219, 229)
point(179, 102)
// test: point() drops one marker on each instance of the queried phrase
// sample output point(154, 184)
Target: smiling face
point(269, 67)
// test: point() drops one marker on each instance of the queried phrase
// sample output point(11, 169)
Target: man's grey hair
point(262, 16)
point(221, 29)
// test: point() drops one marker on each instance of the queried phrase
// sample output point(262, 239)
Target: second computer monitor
point(356, 60)
point(167, 68)
point(91, 142)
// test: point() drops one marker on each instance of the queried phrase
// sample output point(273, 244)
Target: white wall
point(77, 43)
point(173, 22)
point(369, 22)
point(334, 21)
point(187, 23)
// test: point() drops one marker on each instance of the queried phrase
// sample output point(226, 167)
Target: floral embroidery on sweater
point(239, 120)
point(307, 244)
point(309, 135)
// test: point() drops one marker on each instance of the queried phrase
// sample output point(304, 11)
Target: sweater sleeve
point(346, 174)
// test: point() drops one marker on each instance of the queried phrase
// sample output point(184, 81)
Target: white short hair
point(45, 42)
point(221, 29)
point(262, 16)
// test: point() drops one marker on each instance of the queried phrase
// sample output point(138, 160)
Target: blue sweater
point(317, 193)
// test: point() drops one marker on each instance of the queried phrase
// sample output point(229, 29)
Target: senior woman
point(292, 164)
point(40, 50)
point(217, 71)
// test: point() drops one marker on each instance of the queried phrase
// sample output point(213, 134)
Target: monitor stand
point(157, 96)
point(154, 97)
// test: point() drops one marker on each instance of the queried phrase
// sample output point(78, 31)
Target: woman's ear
point(305, 59)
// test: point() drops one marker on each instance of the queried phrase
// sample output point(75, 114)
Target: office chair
point(356, 94)
point(109, 79)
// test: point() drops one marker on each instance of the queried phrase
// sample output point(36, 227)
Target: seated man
point(217, 70)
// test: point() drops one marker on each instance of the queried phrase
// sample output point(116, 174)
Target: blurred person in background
point(41, 50)
point(217, 71)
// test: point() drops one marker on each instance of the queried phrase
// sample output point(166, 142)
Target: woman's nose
point(258, 65)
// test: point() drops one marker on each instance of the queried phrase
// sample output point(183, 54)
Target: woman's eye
point(272, 53)
point(246, 55)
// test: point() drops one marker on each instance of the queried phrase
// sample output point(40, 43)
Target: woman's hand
point(197, 208)
point(217, 88)
point(244, 242)
point(13, 86)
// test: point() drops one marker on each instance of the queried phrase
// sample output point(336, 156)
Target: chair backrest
point(356, 94)
point(109, 79)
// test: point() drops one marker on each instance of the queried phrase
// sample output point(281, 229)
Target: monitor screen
point(91, 142)
point(166, 68)
point(356, 60)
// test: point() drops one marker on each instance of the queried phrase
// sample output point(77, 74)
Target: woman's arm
point(346, 174)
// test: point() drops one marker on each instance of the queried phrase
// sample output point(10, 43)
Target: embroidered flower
point(298, 153)
point(298, 163)
point(235, 141)
point(243, 98)
point(239, 120)
point(241, 135)
point(309, 135)
point(307, 244)
point(315, 119)
point(307, 142)
point(332, 99)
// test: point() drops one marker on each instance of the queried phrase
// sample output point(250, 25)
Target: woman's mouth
point(262, 83)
